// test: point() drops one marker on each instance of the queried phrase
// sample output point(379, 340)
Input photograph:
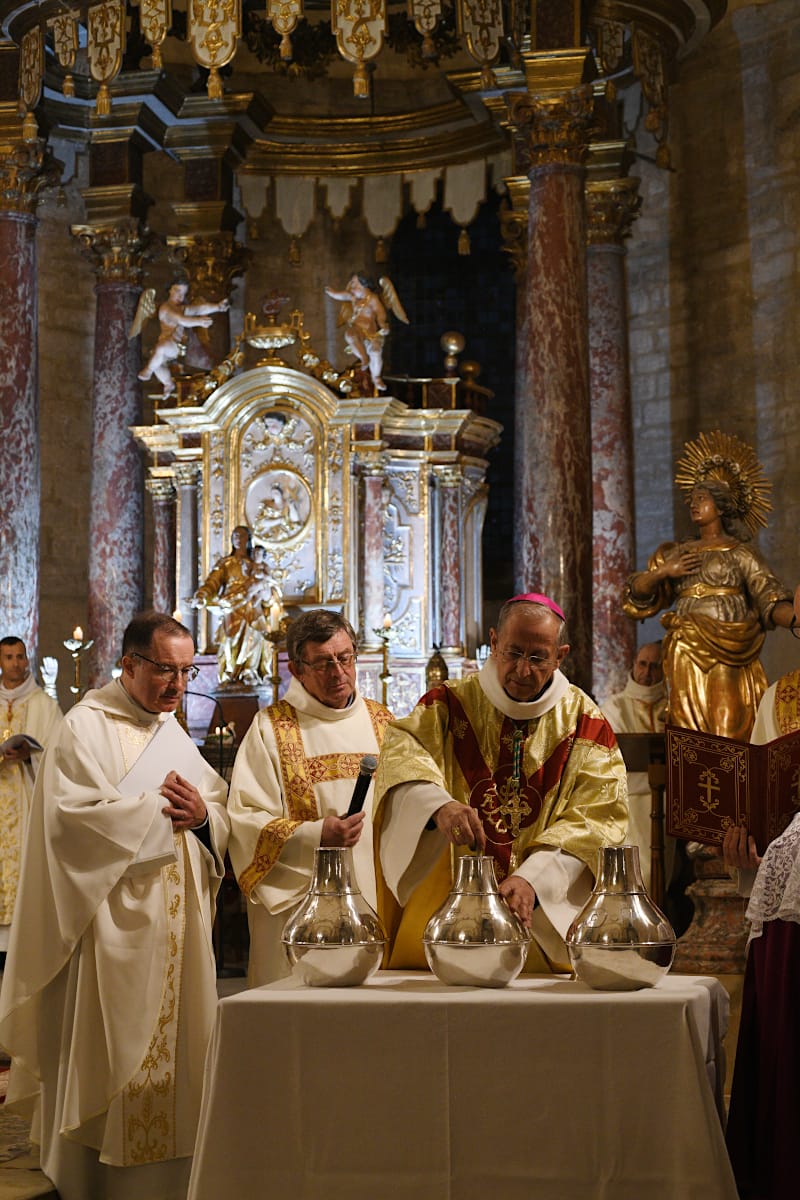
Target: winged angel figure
point(365, 315)
point(174, 315)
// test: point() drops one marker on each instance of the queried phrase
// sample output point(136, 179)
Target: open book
point(714, 782)
point(20, 739)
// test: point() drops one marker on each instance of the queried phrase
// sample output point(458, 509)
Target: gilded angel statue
point(365, 314)
point(174, 315)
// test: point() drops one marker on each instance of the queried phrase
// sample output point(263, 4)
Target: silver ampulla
point(334, 938)
point(620, 941)
point(475, 938)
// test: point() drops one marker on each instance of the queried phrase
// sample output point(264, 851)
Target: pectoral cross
point(708, 783)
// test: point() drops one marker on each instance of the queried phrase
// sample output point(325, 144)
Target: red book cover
point(714, 782)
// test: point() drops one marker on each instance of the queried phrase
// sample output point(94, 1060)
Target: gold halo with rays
point(722, 458)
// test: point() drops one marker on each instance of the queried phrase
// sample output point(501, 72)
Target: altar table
point(405, 1089)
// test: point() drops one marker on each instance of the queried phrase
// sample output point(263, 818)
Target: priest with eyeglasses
point(293, 781)
point(513, 761)
point(109, 993)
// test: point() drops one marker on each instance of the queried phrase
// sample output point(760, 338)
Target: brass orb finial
point(452, 343)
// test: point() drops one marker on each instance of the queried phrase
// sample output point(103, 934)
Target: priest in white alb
point(293, 780)
point(514, 761)
point(109, 992)
point(29, 718)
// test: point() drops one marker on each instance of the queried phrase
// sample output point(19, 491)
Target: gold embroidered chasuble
point(554, 781)
point(38, 715)
point(109, 995)
point(296, 765)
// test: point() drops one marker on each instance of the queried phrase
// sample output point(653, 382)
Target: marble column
point(20, 479)
point(372, 596)
point(611, 208)
point(552, 543)
point(187, 475)
point(448, 488)
point(116, 521)
point(162, 495)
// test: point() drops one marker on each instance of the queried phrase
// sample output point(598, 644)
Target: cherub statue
point(174, 315)
point(364, 313)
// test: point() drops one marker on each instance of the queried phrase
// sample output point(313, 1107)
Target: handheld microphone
point(365, 772)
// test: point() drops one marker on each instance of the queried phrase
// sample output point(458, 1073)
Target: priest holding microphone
point(303, 763)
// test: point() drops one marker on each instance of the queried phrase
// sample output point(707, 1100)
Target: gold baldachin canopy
point(722, 458)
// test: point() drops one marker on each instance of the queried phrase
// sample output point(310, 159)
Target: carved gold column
point(552, 545)
point(116, 521)
point(162, 495)
point(612, 205)
point(22, 174)
point(187, 477)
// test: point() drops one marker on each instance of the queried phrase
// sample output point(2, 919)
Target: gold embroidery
point(12, 788)
point(149, 1100)
point(787, 703)
point(300, 776)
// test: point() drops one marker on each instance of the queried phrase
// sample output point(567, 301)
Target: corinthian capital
point(116, 251)
point(611, 208)
point(25, 169)
point(514, 223)
point(554, 125)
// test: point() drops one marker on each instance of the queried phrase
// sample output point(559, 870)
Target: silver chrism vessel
point(475, 938)
point(334, 938)
point(620, 941)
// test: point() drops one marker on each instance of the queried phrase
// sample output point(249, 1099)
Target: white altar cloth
point(405, 1089)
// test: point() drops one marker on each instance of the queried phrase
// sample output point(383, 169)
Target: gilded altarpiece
point(344, 494)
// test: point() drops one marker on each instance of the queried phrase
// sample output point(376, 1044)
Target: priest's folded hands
point(186, 808)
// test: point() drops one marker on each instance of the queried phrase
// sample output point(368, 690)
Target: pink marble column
point(448, 490)
point(187, 475)
point(19, 420)
point(163, 504)
point(372, 597)
point(552, 539)
point(116, 522)
point(611, 207)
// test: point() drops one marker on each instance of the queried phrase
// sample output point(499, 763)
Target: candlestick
point(77, 646)
point(385, 636)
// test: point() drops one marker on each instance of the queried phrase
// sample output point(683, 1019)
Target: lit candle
point(77, 633)
point(387, 622)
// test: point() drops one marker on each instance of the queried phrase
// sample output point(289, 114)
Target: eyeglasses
point(533, 660)
point(167, 671)
point(342, 662)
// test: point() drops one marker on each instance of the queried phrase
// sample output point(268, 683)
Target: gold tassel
point(30, 129)
point(464, 247)
point(102, 104)
point(663, 157)
point(158, 61)
point(428, 48)
point(421, 222)
point(611, 91)
point(488, 79)
point(294, 253)
point(214, 85)
point(252, 231)
point(380, 251)
point(286, 48)
point(68, 87)
point(361, 82)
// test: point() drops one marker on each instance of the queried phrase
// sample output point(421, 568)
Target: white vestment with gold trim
point(109, 993)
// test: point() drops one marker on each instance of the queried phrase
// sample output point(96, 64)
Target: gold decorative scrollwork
point(426, 15)
point(555, 126)
point(31, 75)
point(284, 15)
point(64, 28)
point(214, 27)
point(359, 26)
point(648, 66)
point(480, 22)
point(105, 27)
point(155, 18)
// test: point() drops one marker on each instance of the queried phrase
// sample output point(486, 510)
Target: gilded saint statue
point(174, 317)
point(251, 603)
point(365, 315)
point(721, 594)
